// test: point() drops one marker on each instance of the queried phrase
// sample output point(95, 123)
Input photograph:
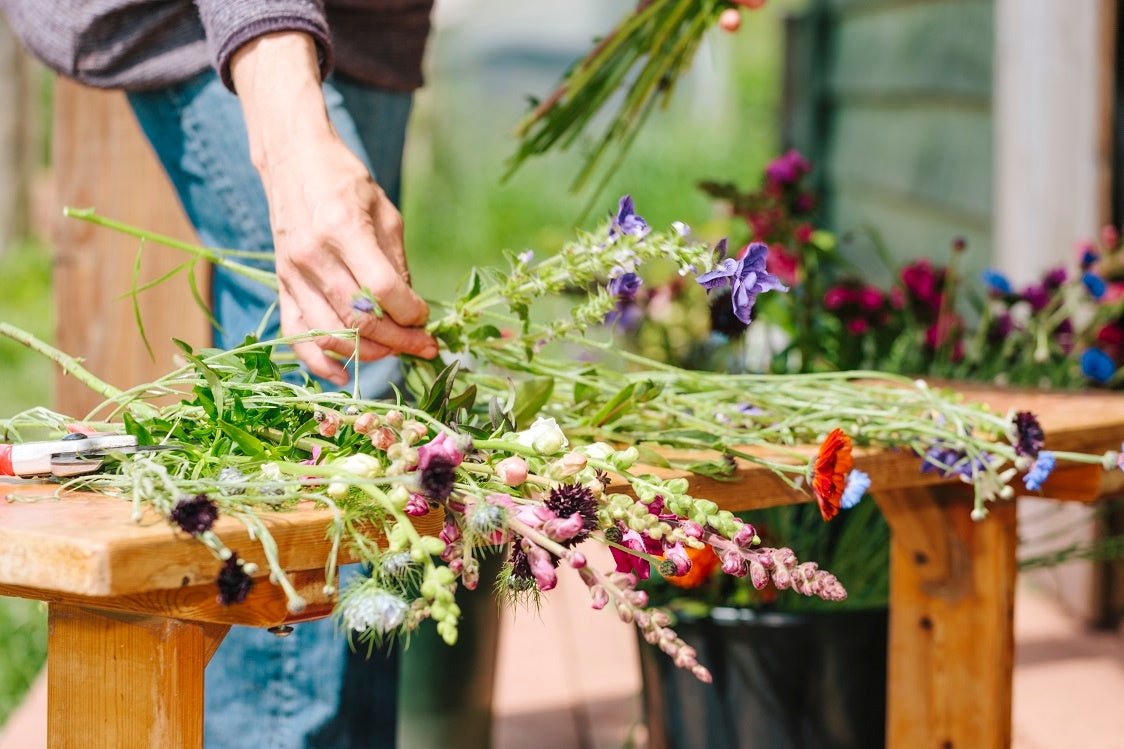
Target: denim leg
point(265, 691)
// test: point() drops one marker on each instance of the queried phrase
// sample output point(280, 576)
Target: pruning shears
point(73, 455)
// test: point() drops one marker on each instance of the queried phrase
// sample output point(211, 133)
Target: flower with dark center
point(722, 317)
point(521, 576)
point(437, 478)
point(565, 500)
point(614, 534)
point(1030, 439)
point(233, 582)
point(195, 515)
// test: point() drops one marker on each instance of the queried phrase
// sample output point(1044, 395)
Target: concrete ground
point(568, 679)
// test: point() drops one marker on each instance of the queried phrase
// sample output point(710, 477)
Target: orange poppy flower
point(703, 563)
point(832, 465)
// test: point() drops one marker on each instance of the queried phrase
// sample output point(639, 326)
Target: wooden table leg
point(125, 681)
point(952, 596)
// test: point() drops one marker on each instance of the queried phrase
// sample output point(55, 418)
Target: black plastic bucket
point(812, 680)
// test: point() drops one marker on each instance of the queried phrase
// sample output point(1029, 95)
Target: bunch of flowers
point(515, 444)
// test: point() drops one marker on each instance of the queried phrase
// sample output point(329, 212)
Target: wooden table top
point(87, 545)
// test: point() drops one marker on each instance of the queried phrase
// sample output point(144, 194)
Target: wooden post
point(952, 593)
point(125, 681)
point(102, 160)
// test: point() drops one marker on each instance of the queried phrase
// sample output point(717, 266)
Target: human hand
point(337, 236)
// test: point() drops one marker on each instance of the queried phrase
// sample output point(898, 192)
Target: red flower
point(831, 467)
point(783, 264)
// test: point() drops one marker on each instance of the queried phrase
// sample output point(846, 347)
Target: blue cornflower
point(626, 222)
point(746, 277)
point(1094, 284)
point(625, 286)
point(857, 484)
point(1097, 365)
point(1040, 470)
point(1089, 258)
point(997, 282)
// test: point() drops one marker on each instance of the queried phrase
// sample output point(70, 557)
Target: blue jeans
point(307, 690)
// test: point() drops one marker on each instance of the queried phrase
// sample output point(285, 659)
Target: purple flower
point(858, 482)
point(1037, 296)
point(363, 305)
point(626, 222)
point(746, 277)
point(233, 582)
point(997, 282)
point(787, 168)
point(565, 500)
point(1094, 284)
point(1097, 365)
point(417, 506)
point(195, 514)
point(625, 286)
point(949, 461)
point(1029, 437)
point(1054, 278)
point(1040, 470)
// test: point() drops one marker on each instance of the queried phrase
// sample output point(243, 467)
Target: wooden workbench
point(133, 615)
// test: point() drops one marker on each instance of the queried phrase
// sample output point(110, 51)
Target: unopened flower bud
point(512, 471)
point(599, 596)
point(394, 418)
point(625, 613)
point(746, 536)
point(364, 423)
point(383, 438)
point(577, 560)
point(329, 425)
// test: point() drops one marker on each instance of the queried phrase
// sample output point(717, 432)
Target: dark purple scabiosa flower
point(436, 479)
point(195, 515)
point(1037, 296)
point(746, 277)
point(233, 582)
point(1054, 278)
point(722, 317)
point(1097, 365)
point(566, 499)
point(627, 222)
point(1000, 328)
point(1029, 437)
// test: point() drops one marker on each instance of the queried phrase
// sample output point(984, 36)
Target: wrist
point(277, 78)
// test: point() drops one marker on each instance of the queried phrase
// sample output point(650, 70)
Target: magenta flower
point(630, 563)
point(541, 564)
point(443, 447)
point(677, 555)
point(787, 168)
point(417, 506)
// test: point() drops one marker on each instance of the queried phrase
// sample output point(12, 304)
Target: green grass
point(26, 270)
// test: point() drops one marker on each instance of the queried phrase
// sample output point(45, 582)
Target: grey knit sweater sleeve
point(231, 23)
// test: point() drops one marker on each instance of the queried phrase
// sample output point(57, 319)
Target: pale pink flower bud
point(638, 598)
point(782, 578)
point(758, 575)
point(329, 425)
point(625, 613)
point(542, 567)
point(702, 674)
point(451, 532)
point(691, 528)
point(512, 471)
point(677, 555)
point(395, 418)
point(600, 597)
point(417, 506)
point(471, 575)
point(364, 423)
point(563, 529)
point(413, 432)
point(745, 536)
point(577, 560)
point(383, 438)
point(733, 564)
point(570, 464)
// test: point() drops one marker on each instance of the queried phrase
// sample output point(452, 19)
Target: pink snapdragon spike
point(417, 506)
point(512, 471)
point(451, 532)
point(441, 447)
point(542, 566)
point(677, 555)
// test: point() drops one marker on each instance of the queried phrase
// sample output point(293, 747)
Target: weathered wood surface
point(124, 681)
point(951, 643)
point(101, 160)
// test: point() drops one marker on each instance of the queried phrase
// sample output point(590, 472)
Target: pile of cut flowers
point(533, 432)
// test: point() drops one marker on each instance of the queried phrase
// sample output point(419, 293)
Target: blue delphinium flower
point(997, 282)
point(1094, 284)
point(1040, 470)
point(627, 222)
point(1097, 365)
point(746, 278)
point(858, 482)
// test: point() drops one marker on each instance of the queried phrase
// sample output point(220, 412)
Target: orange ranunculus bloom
point(703, 563)
point(832, 465)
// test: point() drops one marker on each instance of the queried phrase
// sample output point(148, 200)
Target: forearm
point(277, 78)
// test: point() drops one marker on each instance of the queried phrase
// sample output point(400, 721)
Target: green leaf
point(485, 333)
point(136, 429)
point(465, 400)
point(471, 287)
point(438, 394)
point(615, 408)
point(250, 444)
point(530, 396)
point(651, 457)
point(720, 470)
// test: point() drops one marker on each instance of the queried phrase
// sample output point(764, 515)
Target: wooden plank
point(934, 48)
point(951, 647)
point(102, 160)
point(265, 606)
point(123, 681)
point(938, 156)
point(88, 544)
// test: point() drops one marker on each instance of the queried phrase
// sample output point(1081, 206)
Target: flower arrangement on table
point(530, 434)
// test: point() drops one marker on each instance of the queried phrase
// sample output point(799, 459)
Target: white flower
point(270, 472)
point(544, 437)
point(598, 450)
point(361, 464)
point(374, 609)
